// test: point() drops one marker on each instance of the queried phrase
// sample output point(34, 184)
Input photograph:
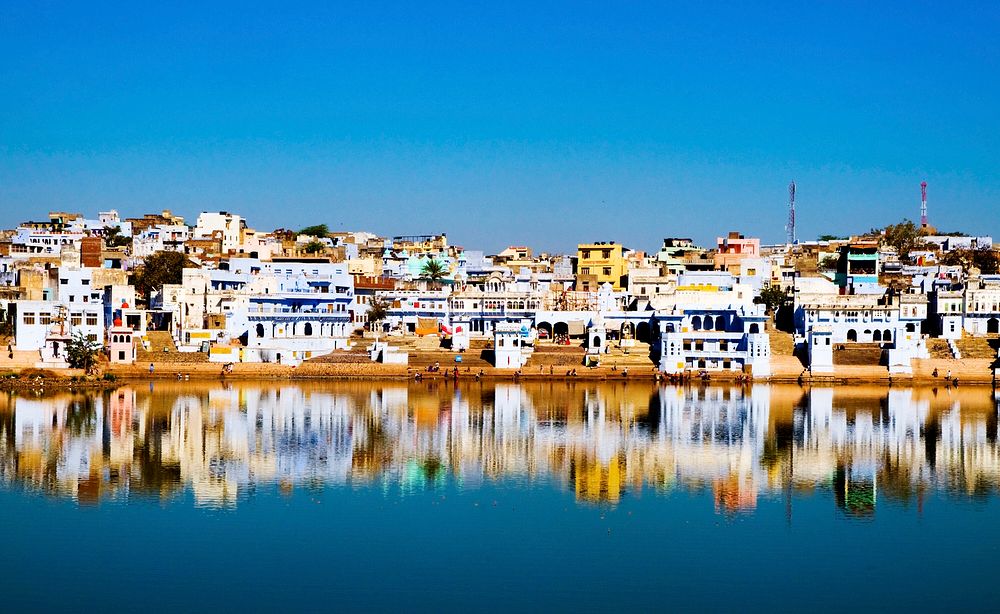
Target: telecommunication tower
point(923, 204)
point(790, 226)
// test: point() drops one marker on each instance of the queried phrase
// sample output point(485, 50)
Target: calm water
point(497, 497)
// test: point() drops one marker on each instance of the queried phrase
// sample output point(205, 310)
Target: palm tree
point(434, 270)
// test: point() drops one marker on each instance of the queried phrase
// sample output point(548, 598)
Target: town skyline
point(522, 121)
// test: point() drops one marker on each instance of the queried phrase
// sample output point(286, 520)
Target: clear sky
point(500, 123)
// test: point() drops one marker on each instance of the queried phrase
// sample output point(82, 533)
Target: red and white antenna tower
point(923, 204)
point(790, 226)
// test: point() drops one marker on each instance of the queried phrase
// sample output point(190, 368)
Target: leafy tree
point(772, 297)
point(984, 259)
point(316, 230)
point(113, 237)
point(158, 269)
point(378, 310)
point(904, 237)
point(314, 247)
point(81, 352)
point(434, 270)
point(831, 238)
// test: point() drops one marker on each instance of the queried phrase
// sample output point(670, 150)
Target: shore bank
point(785, 369)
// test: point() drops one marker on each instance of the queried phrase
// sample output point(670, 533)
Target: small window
point(29, 318)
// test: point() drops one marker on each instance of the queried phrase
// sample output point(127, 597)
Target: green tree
point(772, 297)
point(113, 237)
point(158, 269)
point(316, 230)
point(378, 310)
point(434, 270)
point(314, 247)
point(904, 237)
point(984, 259)
point(831, 238)
point(81, 352)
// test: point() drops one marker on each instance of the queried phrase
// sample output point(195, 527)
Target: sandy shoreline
point(785, 369)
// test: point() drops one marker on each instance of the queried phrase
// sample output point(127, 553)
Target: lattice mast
point(923, 204)
point(790, 226)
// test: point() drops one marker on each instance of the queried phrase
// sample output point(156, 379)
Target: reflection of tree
point(432, 468)
point(374, 455)
point(898, 481)
point(156, 477)
point(81, 415)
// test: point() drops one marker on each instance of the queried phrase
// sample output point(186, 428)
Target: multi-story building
point(229, 225)
point(732, 249)
point(601, 263)
point(858, 268)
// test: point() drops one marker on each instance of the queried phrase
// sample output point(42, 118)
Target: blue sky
point(543, 124)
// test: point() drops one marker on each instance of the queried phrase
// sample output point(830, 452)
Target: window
point(92, 337)
point(91, 319)
point(605, 253)
point(45, 318)
point(63, 281)
point(585, 270)
point(29, 318)
point(75, 319)
point(606, 270)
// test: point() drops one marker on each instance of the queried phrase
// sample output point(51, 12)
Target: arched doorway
point(642, 332)
point(754, 328)
point(259, 330)
point(852, 335)
point(696, 323)
point(596, 341)
point(708, 324)
point(992, 326)
point(887, 335)
point(627, 331)
point(544, 330)
point(720, 323)
point(561, 328)
point(877, 336)
point(308, 331)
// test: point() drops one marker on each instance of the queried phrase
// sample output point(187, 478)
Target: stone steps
point(858, 354)
point(977, 347)
point(782, 343)
point(938, 349)
point(158, 340)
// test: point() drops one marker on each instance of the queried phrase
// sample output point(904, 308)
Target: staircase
point(939, 349)
point(635, 357)
point(977, 347)
point(162, 349)
point(782, 343)
point(550, 354)
point(862, 354)
point(356, 355)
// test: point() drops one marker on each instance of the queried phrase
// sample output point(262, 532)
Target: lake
point(497, 496)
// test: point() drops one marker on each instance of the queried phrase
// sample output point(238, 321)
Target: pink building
point(734, 248)
point(121, 348)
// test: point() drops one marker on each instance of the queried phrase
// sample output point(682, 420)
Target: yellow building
point(600, 263)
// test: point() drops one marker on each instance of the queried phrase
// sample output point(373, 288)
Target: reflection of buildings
point(599, 441)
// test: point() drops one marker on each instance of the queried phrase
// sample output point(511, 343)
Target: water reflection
point(601, 442)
